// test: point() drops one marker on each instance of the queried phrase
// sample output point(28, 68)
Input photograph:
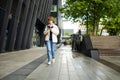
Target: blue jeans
point(51, 48)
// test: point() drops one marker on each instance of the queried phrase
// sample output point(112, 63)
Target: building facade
point(57, 4)
point(18, 18)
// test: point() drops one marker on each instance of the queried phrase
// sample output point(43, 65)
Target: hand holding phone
point(50, 26)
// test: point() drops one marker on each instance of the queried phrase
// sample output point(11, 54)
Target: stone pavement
point(12, 63)
point(68, 66)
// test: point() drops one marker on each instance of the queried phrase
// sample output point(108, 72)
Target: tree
point(90, 11)
point(113, 26)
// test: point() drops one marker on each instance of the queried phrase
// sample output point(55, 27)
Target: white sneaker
point(53, 60)
point(49, 62)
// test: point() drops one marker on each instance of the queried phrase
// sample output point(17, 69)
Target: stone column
point(12, 38)
point(22, 26)
point(34, 18)
point(4, 26)
point(28, 24)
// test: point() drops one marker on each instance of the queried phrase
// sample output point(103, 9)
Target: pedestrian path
point(16, 62)
point(68, 66)
point(73, 66)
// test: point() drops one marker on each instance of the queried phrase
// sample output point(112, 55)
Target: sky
point(69, 24)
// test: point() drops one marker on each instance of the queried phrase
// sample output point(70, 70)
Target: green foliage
point(91, 11)
point(67, 34)
point(113, 26)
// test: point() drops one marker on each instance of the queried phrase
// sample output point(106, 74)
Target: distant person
point(79, 32)
point(51, 31)
point(73, 42)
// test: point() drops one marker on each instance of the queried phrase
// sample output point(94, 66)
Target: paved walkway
point(13, 61)
point(70, 66)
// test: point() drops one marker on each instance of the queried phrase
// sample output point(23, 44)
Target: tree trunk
point(101, 31)
point(87, 23)
point(95, 25)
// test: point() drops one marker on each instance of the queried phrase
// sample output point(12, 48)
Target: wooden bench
point(107, 45)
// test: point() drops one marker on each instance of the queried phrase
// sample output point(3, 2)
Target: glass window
point(54, 8)
point(55, 20)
